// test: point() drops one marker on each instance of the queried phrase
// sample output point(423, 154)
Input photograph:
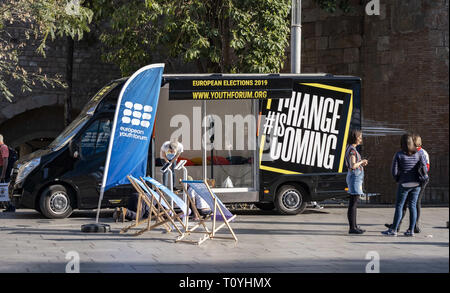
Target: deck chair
point(219, 213)
point(162, 190)
point(160, 210)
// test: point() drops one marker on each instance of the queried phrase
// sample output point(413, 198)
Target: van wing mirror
point(74, 149)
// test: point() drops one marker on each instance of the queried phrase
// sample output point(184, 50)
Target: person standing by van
point(405, 170)
point(4, 155)
point(418, 143)
point(170, 151)
point(355, 178)
point(4, 170)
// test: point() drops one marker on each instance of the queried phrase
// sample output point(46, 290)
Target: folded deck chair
point(219, 213)
point(160, 210)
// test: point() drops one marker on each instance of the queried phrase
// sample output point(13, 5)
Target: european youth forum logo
point(137, 114)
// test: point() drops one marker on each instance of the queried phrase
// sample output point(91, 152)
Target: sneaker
point(409, 233)
point(417, 229)
point(389, 226)
point(356, 231)
point(389, 232)
point(318, 207)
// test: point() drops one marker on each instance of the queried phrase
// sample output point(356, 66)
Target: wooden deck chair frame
point(207, 233)
point(170, 213)
point(155, 213)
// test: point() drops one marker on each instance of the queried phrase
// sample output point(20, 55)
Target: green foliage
point(37, 19)
point(215, 35)
point(332, 5)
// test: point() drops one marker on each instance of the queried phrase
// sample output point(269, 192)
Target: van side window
point(96, 138)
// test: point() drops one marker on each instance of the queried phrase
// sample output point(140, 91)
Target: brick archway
point(41, 123)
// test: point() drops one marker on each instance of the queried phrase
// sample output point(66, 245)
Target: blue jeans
point(355, 179)
point(403, 193)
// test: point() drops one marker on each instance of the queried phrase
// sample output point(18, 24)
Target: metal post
point(185, 174)
point(170, 183)
point(296, 35)
point(204, 163)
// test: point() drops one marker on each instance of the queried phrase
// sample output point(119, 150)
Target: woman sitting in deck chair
point(201, 205)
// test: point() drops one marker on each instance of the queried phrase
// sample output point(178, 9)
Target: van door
point(87, 173)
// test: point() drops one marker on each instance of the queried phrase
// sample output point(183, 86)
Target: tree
point(332, 5)
point(39, 20)
point(216, 35)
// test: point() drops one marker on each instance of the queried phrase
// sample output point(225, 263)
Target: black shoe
point(390, 226)
point(356, 231)
point(9, 210)
point(417, 229)
point(359, 228)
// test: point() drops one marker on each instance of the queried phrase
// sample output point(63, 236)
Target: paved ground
point(316, 241)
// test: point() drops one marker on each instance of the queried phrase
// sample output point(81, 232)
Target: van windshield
point(69, 132)
point(86, 113)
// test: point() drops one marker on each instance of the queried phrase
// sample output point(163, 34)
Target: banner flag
point(132, 127)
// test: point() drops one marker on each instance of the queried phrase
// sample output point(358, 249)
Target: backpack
point(423, 173)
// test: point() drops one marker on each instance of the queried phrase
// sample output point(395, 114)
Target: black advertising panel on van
point(229, 88)
point(306, 133)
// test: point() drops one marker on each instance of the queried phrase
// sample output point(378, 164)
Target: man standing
point(4, 175)
point(170, 151)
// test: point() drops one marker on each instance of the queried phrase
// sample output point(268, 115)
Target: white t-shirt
point(165, 148)
point(200, 203)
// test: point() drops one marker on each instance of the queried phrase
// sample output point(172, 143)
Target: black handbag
point(423, 173)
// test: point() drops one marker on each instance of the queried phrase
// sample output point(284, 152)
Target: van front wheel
point(290, 200)
point(55, 202)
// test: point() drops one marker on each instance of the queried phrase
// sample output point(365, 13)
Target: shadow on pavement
point(396, 265)
point(26, 230)
point(31, 214)
point(441, 244)
point(273, 212)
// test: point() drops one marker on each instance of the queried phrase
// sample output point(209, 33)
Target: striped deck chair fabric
point(202, 190)
point(178, 201)
point(149, 192)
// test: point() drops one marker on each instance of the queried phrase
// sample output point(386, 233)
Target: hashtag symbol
point(269, 122)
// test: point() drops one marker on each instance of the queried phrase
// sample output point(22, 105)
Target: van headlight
point(26, 168)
